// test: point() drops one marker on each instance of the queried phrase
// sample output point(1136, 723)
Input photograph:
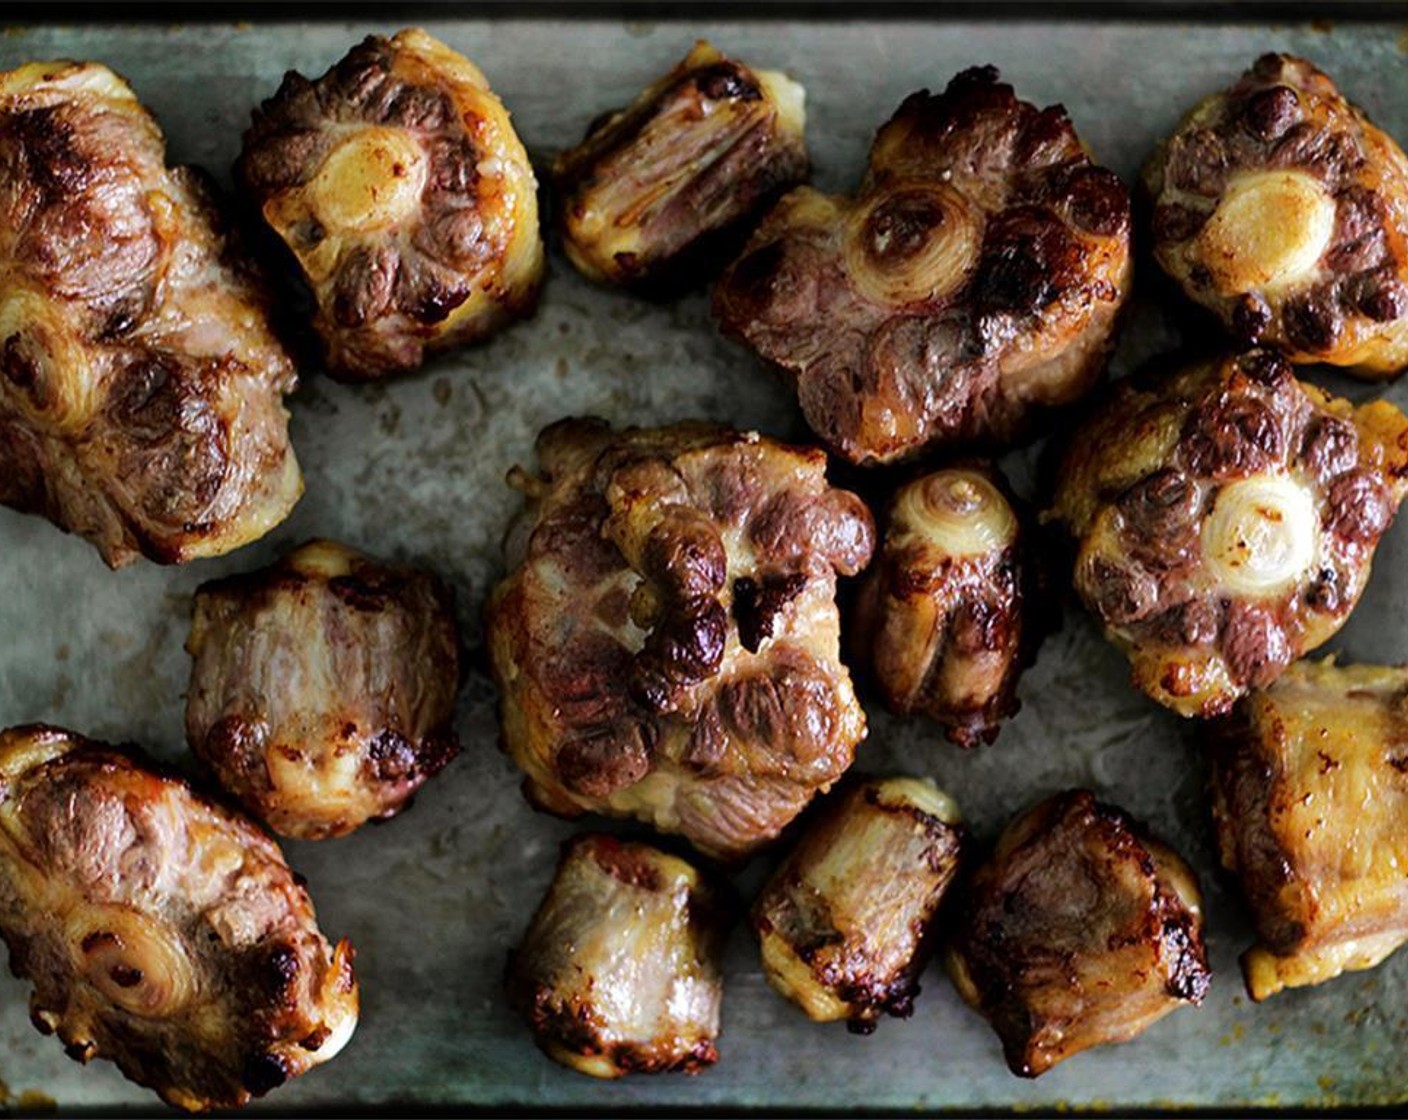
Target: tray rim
point(31, 13)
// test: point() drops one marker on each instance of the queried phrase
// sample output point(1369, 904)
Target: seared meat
point(703, 149)
point(141, 389)
point(1281, 208)
point(845, 922)
point(1226, 519)
point(619, 971)
point(323, 688)
point(666, 642)
point(1078, 931)
point(1310, 798)
point(973, 280)
point(398, 183)
point(160, 930)
point(941, 617)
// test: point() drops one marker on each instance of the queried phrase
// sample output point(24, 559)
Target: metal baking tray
point(414, 470)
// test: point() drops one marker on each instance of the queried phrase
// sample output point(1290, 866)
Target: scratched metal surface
point(414, 470)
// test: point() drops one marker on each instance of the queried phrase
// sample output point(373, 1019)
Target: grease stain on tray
point(26, 1102)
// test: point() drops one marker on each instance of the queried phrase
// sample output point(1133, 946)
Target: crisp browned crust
point(846, 921)
point(973, 280)
point(619, 971)
point(1183, 492)
point(666, 641)
point(942, 618)
point(366, 718)
point(160, 930)
point(1310, 800)
point(1078, 931)
point(399, 185)
point(141, 387)
point(648, 191)
point(1332, 284)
